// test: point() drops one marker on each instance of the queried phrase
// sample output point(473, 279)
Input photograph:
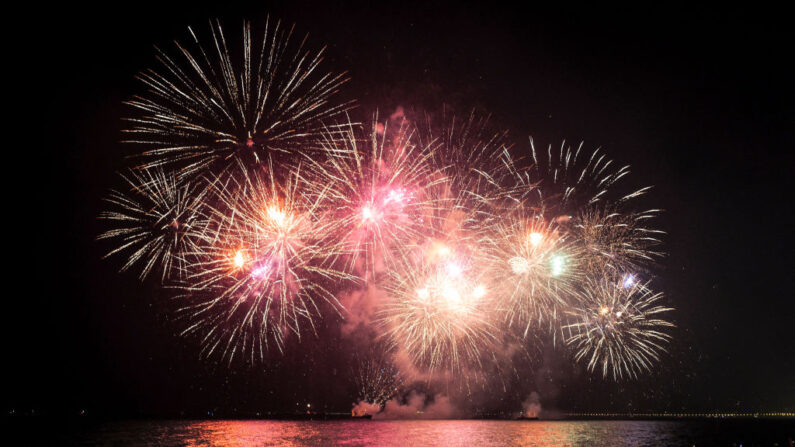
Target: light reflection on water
point(394, 433)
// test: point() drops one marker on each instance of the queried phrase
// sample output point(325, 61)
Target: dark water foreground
point(409, 433)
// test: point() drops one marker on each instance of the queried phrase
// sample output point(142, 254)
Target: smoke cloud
point(531, 407)
point(416, 406)
point(364, 408)
point(360, 305)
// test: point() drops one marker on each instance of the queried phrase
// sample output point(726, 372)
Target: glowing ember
point(277, 216)
point(442, 250)
point(367, 214)
point(519, 265)
point(261, 272)
point(557, 264)
point(479, 292)
point(629, 280)
point(239, 259)
point(454, 269)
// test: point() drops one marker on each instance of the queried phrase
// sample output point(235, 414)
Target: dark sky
point(698, 100)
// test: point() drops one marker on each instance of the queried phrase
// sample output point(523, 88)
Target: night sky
point(699, 101)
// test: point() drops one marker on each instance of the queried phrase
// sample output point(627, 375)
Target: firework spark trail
point(377, 379)
point(263, 267)
point(473, 163)
point(614, 243)
point(157, 221)
point(210, 105)
point(570, 180)
point(617, 327)
point(373, 187)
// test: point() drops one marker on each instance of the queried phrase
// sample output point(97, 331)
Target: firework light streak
point(571, 180)
point(613, 242)
point(474, 168)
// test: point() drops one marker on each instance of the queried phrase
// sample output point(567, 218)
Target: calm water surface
point(436, 433)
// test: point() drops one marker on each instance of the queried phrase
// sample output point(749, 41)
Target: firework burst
point(264, 266)
point(618, 327)
point(438, 310)
point(213, 104)
point(534, 267)
point(374, 188)
point(155, 222)
point(473, 163)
